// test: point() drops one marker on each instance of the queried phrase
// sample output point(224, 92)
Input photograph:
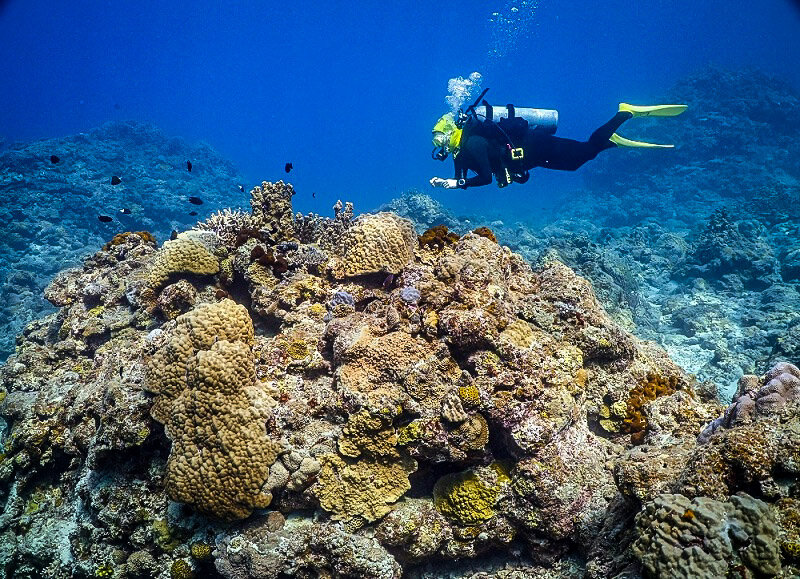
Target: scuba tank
point(538, 119)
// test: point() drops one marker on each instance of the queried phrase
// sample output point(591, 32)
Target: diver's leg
point(567, 154)
point(600, 138)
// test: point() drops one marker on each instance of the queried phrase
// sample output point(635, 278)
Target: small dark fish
point(195, 201)
point(192, 213)
point(313, 193)
point(115, 180)
point(125, 211)
point(104, 218)
point(54, 159)
point(173, 235)
point(288, 167)
point(120, 372)
point(189, 166)
point(241, 188)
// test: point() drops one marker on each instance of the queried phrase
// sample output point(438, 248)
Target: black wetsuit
point(484, 150)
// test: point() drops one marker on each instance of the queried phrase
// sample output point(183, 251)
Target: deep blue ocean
point(348, 92)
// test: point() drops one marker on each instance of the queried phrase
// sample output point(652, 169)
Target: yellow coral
point(181, 255)
point(379, 242)
point(363, 488)
point(469, 497)
point(368, 434)
point(470, 396)
point(200, 550)
point(181, 569)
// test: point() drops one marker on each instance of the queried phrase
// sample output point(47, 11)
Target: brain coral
point(213, 412)
point(374, 243)
point(703, 537)
point(181, 255)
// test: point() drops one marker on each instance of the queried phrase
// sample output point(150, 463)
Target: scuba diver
point(507, 142)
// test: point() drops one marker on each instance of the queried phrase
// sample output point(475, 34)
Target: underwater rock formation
point(257, 417)
point(50, 211)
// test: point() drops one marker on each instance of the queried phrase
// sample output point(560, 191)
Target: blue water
point(348, 91)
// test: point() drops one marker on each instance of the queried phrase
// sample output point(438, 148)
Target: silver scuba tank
point(540, 119)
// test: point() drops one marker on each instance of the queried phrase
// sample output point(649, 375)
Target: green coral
point(163, 535)
point(104, 570)
point(469, 497)
point(181, 569)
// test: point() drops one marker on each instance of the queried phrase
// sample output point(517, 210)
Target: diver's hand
point(446, 183)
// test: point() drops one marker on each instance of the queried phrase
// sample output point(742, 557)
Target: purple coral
point(341, 298)
point(780, 385)
point(410, 295)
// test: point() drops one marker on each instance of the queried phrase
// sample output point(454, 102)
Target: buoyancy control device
point(508, 124)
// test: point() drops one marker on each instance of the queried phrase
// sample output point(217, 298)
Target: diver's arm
point(477, 150)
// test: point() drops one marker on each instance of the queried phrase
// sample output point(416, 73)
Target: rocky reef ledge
point(272, 395)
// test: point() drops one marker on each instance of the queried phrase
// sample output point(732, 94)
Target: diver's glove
point(446, 183)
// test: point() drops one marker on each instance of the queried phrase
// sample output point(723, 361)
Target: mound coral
point(679, 537)
point(213, 412)
point(181, 256)
point(272, 209)
point(374, 243)
point(469, 497)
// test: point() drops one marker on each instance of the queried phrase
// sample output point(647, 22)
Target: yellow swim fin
point(623, 142)
point(653, 110)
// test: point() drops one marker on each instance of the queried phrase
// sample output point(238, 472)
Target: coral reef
point(470, 404)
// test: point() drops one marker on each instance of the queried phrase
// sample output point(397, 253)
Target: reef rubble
point(272, 395)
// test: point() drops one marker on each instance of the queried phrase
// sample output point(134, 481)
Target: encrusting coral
point(390, 402)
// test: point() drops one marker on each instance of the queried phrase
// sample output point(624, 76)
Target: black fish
point(287, 167)
point(54, 159)
point(104, 218)
point(189, 166)
point(241, 188)
point(313, 193)
point(192, 213)
point(195, 201)
point(173, 235)
point(125, 211)
point(115, 180)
